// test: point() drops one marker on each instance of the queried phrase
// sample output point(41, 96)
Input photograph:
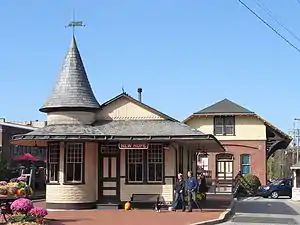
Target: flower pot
point(40, 220)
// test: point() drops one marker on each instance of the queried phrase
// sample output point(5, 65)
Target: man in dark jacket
point(192, 187)
point(179, 193)
point(202, 186)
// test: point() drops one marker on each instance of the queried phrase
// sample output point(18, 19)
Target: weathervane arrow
point(74, 24)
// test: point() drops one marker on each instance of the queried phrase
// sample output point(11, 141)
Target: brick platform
point(214, 206)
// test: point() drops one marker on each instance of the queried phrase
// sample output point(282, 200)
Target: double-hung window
point(224, 125)
point(53, 162)
point(145, 165)
point(74, 162)
point(135, 160)
point(245, 164)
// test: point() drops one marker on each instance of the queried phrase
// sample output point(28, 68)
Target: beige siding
point(76, 193)
point(70, 118)
point(124, 109)
point(246, 128)
point(166, 190)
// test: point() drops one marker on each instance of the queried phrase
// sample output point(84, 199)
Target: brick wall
point(257, 151)
point(5, 135)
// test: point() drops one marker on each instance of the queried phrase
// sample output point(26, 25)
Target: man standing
point(192, 186)
point(202, 186)
point(179, 193)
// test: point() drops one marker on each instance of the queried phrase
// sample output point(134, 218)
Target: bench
point(146, 200)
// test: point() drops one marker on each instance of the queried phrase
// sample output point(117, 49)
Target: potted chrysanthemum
point(21, 208)
point(39, 213)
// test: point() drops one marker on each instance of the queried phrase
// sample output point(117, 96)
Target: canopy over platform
point(296, 166)
point(122, 130)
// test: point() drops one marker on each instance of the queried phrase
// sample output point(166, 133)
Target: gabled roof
point(72, 88)
point(223, 107)
point(141, 104)
point(227, 107)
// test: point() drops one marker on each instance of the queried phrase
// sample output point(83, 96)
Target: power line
point(269, 12)
point(267, 24)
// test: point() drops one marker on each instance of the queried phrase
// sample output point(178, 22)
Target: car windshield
point(277, 182)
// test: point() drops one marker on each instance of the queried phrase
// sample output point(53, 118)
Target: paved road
point(260, 211)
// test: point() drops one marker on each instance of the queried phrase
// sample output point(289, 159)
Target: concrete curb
point(225, 216)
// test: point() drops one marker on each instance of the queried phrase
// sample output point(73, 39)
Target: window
point(53, 162)
point(109, 149)
point(135, 165)
point(145, 166)
point(245, 164)
point(74, 163)
point(224, 125)
point(202, 161)
point(155, 164)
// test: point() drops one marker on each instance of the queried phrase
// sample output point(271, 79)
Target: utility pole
point(296, 135)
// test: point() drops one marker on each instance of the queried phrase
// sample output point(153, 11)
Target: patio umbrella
point(26, 157)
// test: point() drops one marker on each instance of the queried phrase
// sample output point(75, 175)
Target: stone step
point(107, 206)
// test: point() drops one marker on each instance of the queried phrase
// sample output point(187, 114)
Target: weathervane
point(75, 23)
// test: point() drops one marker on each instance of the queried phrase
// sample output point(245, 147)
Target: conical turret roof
point(72, 89)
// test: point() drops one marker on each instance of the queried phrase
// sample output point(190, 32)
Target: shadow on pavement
point(217, 202)
point(263, 220)
point(265, 207)
point(63, 221)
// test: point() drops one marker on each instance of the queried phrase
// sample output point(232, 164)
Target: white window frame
point(53, 162)
point(201, 163)
point(74, 154)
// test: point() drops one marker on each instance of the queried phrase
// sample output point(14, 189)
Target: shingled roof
point(224, 106)
point(72, 88)
point(120, 128)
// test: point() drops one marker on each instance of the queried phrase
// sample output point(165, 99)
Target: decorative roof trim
point(68, 109)
point(111, 137)
point(141, 104)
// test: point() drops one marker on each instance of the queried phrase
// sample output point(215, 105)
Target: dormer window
point(224, 125)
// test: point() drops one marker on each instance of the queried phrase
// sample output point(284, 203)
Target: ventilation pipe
point(140, 90)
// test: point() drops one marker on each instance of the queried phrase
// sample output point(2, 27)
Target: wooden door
point(224, 170)
point(109, 180)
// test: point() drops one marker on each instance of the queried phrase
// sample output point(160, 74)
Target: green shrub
point(250, 180)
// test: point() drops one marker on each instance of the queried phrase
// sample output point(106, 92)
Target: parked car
point(280, 187)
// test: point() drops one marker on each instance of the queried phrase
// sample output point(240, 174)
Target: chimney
point(140, 94)
point(2, 120)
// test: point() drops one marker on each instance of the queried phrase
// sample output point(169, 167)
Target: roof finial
point(123, 90)
point(75, 23)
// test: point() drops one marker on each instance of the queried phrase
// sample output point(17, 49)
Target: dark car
point(280, 187)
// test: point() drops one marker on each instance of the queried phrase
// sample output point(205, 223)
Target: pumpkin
point(127, 206)
point(20, 192)
point(13, 190)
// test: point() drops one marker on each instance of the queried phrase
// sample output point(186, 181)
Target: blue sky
point(186, 55)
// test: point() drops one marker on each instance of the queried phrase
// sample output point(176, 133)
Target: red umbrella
point(26, 157)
